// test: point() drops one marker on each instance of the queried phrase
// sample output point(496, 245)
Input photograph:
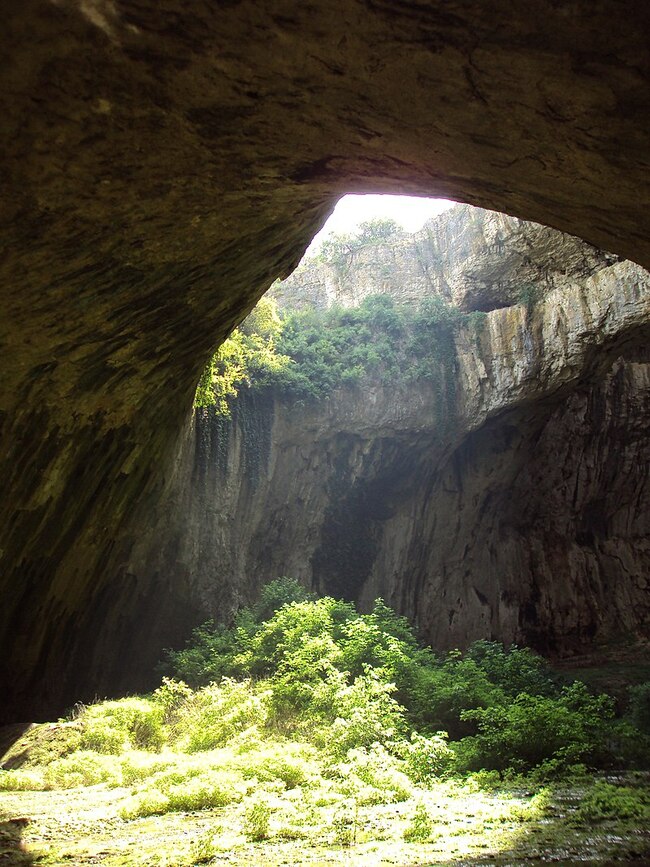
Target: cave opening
point(509, 358)
point(162, 164)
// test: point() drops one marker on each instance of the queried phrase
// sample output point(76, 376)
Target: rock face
point(516, 506)
point(164, 162)
point(472, 258)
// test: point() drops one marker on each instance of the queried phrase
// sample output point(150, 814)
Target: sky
point(411, 212)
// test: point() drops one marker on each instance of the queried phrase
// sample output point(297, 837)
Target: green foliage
point(345, 681)
point(639, 706)
point(420, 827)
point(338, 711)
point(531, 729)
point(175, 791)
point(605, 802)
point(377, 231)
point(219, 712)
point(344, 823)
point(250, 352)
point(204, 850)
point(82, 768)
point(308, 354)
point(514, 669)
point(212, 652)
point(372, 775)
point(129, 723)
point(277, 593)
point(339, 250)
point(427, 758)
point(257, 820)
point(529, 294)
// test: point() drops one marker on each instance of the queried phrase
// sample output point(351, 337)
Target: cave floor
point(82, 827)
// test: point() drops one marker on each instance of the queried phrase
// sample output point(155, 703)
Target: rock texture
point(163, 162)
point(514, 506)
point(472, 258)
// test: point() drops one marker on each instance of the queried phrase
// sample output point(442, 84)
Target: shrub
point(82, 768)
point(420, 828)
point(112, 726)
point(532, 729)
point(139, 766)
point(211, 652)
point(257, 820)
point(373, 776)
point(29, 780)
point(605, 802)
point(292, 764)
point(183, 791)
point(219, 712)
point(359, 714)
point(171, 695)
point(427, 758)
point(639, 706)
point(276, 594)
point(514, 669)
point(344, 823)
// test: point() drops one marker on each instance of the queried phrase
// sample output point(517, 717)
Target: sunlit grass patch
point(331, 744)
point(128, 723)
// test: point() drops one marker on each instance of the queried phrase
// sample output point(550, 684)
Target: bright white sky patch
point(411, 212)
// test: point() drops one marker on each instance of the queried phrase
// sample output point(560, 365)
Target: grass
point(273, 801)
point(272, 826)
point(303, 762)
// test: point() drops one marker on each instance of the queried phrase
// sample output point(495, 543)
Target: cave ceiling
point(163, 161)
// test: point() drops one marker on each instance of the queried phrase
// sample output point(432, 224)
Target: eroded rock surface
point(471, 258)
point(163, 162)
point(513, 503)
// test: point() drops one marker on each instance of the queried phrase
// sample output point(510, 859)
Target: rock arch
point(163, 162)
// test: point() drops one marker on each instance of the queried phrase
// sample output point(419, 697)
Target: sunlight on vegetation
point(307, 354)
point(307, 724)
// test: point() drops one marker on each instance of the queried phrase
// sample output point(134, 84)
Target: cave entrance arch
point(164, 163)
point(486, 498)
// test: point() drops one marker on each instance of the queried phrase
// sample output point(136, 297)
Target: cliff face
point(473, 258)
point(515, 505)
point(162, 163)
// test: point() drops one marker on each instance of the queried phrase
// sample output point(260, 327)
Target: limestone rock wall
point(162, 162)
point(473, 258)
point(521, 512)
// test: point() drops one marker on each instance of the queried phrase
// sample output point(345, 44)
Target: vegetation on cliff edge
point(307, 354)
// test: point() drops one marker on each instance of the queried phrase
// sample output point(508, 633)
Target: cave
point(162, 164)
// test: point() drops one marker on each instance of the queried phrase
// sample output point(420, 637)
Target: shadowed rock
point(162, 163)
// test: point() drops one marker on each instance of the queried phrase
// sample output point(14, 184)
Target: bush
point(112, 726)
point(427, 758)
point(292, 764)
point(83, 768)
point(533, 729)
point(607, 802)
point(514, 669)
point(420, 828)
point(278, 593)
point(639, 706)
point(29, 780)
point(257, 820)
point(372, 776)
point(219, 712)
point(183, 790)
point(359, 714)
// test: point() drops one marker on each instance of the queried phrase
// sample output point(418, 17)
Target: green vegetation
point(305, 723)
point(250, 352)
point(339, 250)
point(343, 681)
point(307, 354)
